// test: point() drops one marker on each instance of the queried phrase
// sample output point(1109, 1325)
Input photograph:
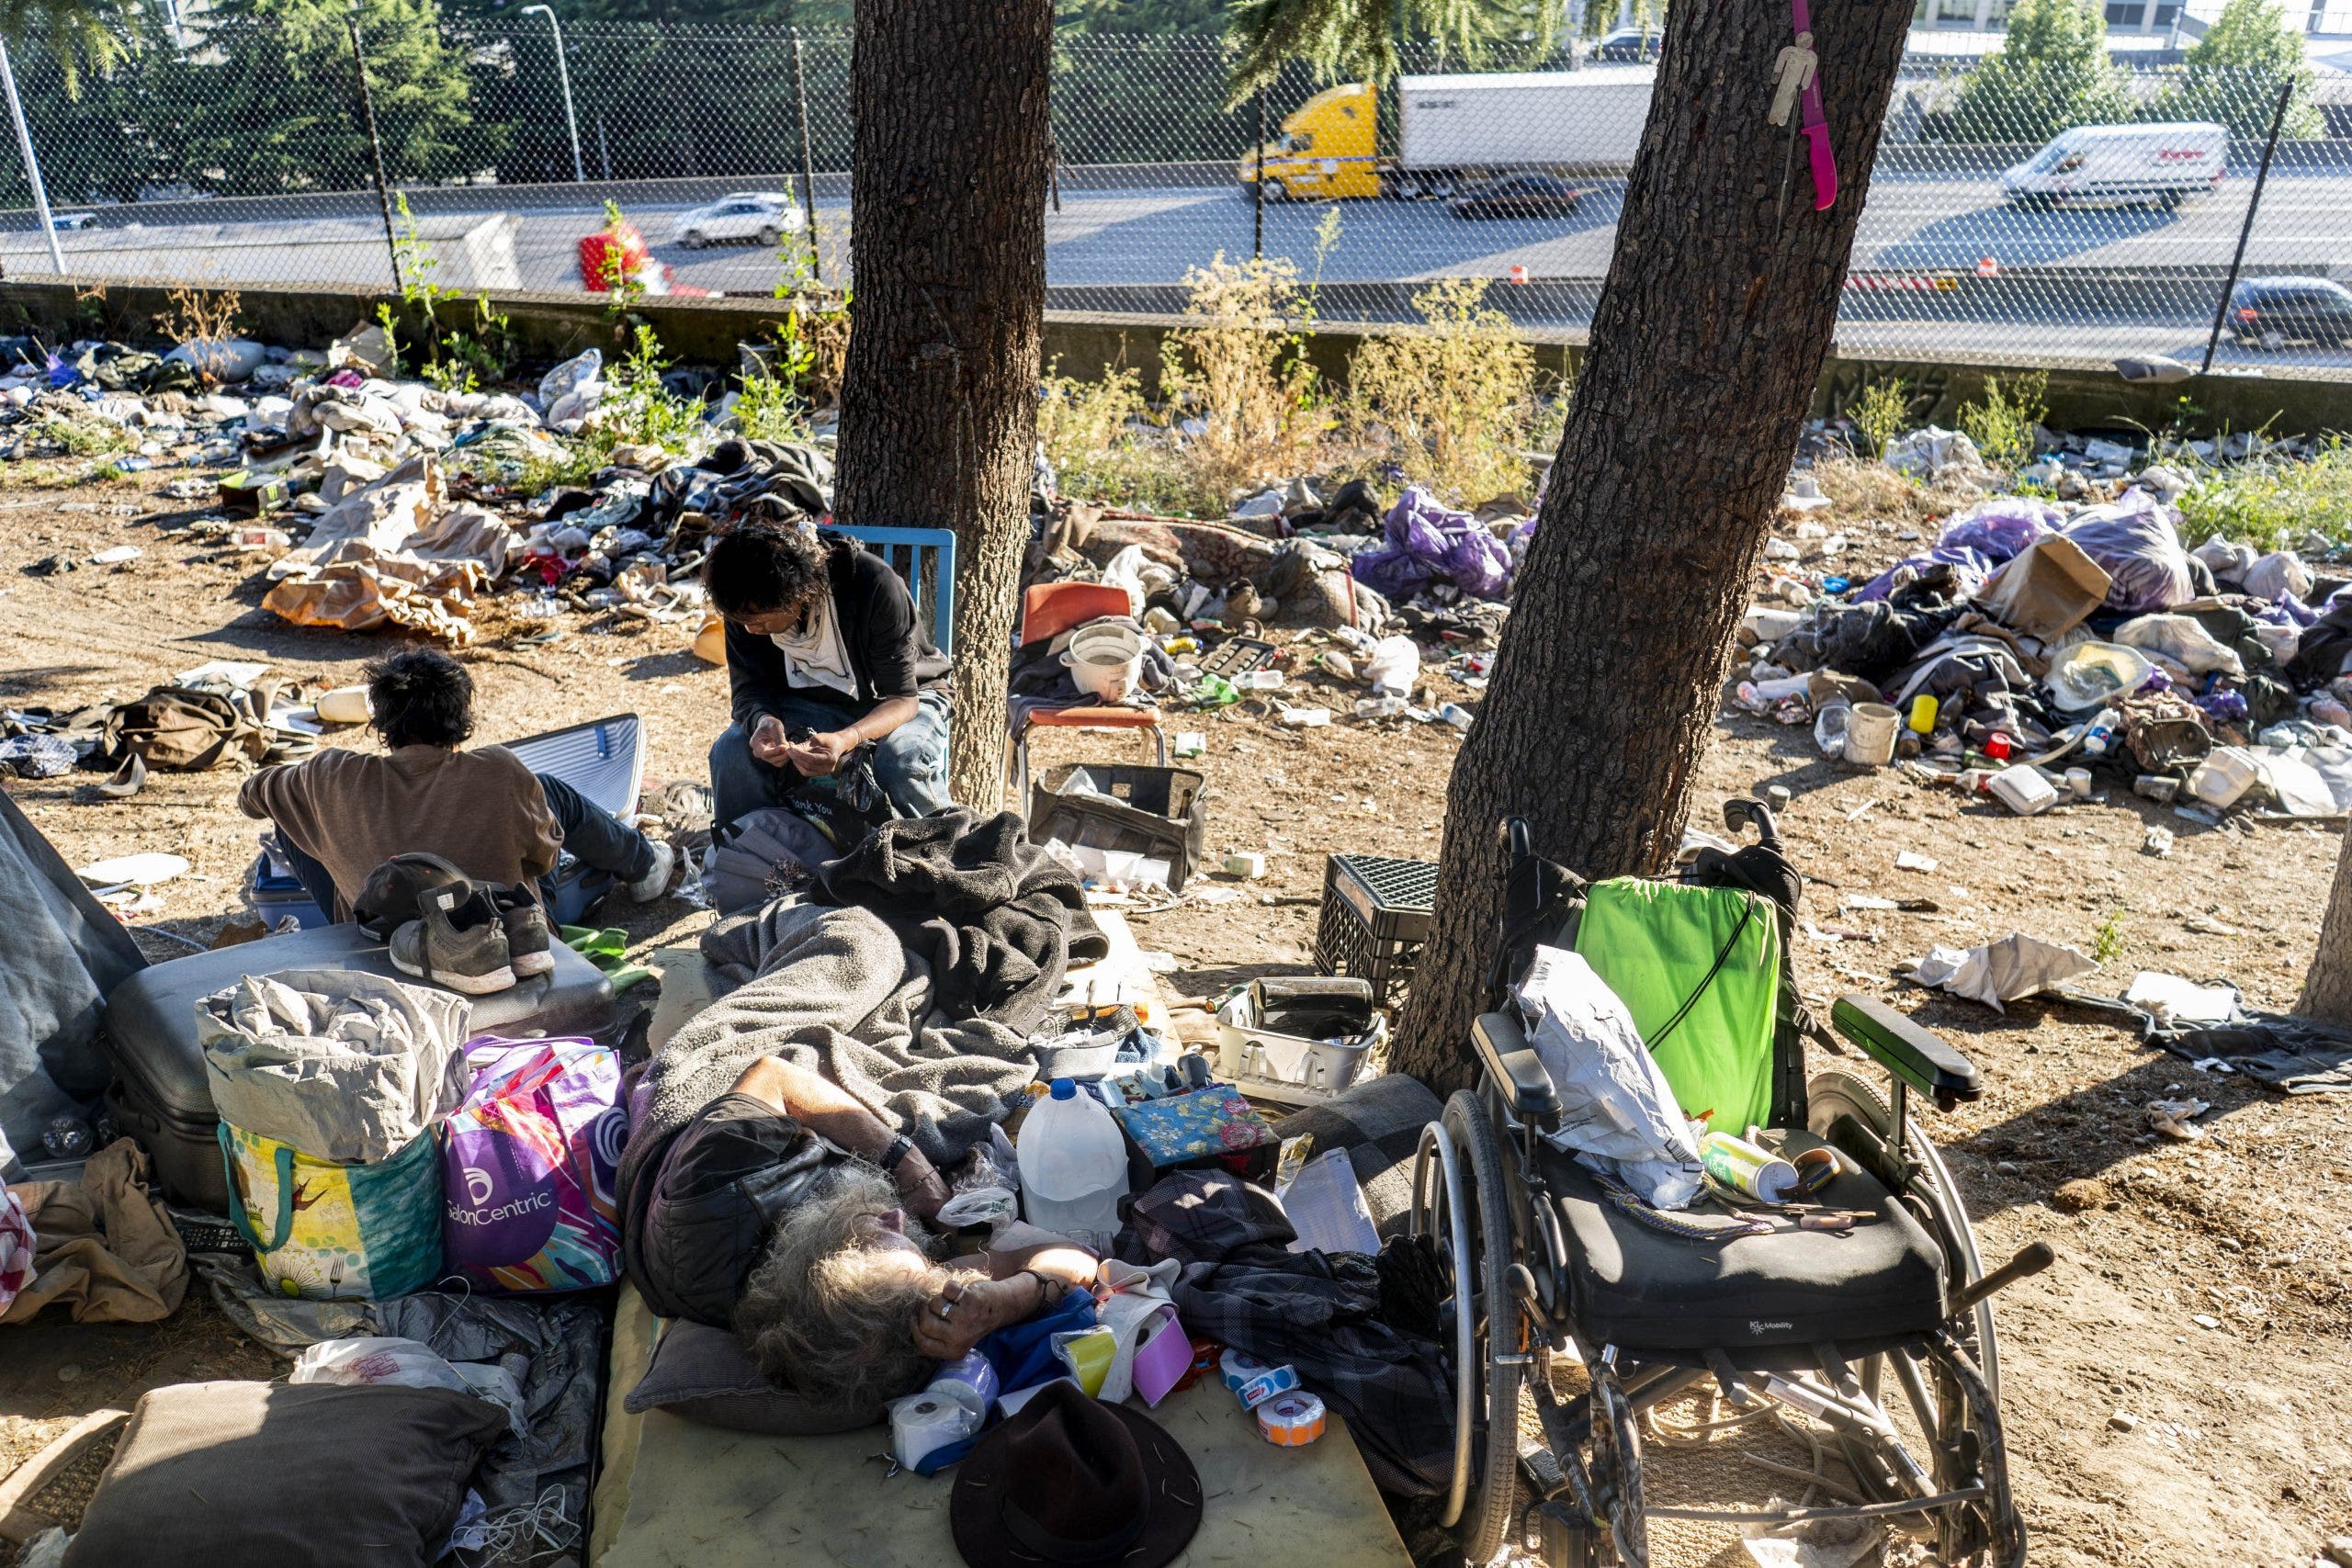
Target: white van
point(2157, 164)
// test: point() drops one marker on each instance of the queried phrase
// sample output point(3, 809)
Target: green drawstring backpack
point(1700, 970)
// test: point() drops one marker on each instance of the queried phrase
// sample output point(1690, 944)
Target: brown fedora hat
point(1071, 1480)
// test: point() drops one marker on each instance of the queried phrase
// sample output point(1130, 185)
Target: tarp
point(64, 952)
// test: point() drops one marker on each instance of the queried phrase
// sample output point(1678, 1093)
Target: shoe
point(655, 882)
point(459, 942)
point(527, 943)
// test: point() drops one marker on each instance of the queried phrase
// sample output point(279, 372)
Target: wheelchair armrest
point(1909, 1052)
point(1509, 1059)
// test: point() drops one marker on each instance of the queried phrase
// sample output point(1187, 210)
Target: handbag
point(530, 1161)
point(328, 1232)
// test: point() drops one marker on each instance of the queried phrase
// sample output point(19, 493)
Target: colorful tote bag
point(327, 1232)
point(531, 1158)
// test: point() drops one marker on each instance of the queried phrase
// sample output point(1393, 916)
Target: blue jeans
point(594, 836)
point(910, 763)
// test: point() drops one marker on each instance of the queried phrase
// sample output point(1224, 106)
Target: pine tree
point(2050, 73)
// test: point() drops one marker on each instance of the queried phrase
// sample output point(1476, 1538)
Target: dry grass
point(1457, 400)
point(1236, 366)
point(201, 316)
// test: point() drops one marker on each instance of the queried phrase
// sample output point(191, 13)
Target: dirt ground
point(2203, 1294)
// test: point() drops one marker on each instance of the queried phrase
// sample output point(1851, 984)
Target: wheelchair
point(1539, 1260)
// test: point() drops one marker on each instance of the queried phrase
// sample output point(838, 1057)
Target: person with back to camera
point(823, 655)
point(340, 814)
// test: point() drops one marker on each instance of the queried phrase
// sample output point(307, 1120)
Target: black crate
point(1375, 917)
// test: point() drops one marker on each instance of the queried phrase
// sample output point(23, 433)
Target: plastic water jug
point(1073, 1167)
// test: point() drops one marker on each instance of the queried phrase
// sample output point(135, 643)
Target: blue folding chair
point(926, 558)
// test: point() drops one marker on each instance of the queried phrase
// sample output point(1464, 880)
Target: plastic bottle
point(1073, 1166)
point(2101, 733)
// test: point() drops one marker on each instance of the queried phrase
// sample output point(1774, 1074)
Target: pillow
point(291, 1475)
point(704, 1375)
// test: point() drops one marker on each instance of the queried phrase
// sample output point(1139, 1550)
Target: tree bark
point(1705, 344)
point(947, 255)
point(2327, 989)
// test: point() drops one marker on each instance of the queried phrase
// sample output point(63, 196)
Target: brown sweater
point(482, 811)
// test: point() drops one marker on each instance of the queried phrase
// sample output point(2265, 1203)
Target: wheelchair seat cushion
point(1642, 1290)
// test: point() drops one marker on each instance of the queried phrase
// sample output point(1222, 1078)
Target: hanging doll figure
point(1793, 72)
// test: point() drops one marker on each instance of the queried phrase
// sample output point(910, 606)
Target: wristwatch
point(901, 1147)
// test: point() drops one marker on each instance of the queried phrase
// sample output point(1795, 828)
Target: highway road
point(2077, 285)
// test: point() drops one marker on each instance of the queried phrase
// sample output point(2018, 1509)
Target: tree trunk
point(1705, 344)
point(947, 254)
point(2327, 989)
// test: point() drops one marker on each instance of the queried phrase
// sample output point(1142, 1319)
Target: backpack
point(179, 730)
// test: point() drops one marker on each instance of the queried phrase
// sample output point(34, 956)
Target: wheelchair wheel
point(1465, 1211)
point(1938, 1408)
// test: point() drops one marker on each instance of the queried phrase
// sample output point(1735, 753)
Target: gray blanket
point(832, 989)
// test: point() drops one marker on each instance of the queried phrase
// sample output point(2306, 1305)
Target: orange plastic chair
point(1048, 610)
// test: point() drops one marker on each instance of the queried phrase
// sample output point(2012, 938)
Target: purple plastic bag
point(2000, 529)
point(1427, 543)
point(531, 1161)
point(2134, 542)
point(1974, 570)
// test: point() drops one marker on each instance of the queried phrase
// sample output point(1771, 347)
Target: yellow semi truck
point(1453, 131)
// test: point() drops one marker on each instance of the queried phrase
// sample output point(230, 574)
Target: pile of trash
point(2036, 647)
point(378, 500)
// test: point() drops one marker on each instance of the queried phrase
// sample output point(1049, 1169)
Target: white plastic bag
point(1617, 1109)
point(1997, 972)
point(411, 1364)
point(1393, 667)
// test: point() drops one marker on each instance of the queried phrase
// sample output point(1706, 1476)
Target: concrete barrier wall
point(555, 326)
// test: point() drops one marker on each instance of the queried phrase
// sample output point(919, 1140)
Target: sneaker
point(528, 944)
point(655, 882)
point(459, 941)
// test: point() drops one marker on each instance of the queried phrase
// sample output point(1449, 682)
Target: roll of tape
point(923, 1423)
point(1291, 1420)
point(1239, 1366)
point(1265, 1385)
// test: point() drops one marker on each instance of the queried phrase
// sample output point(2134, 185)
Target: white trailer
point(1451, 129)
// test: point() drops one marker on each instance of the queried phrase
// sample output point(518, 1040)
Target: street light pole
point(32, 164)
point(563, 78)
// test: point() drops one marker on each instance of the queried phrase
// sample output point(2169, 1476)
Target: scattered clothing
point(1321, 1313)
point(103, 1245)
point(995, 918)
point(2296, 1055)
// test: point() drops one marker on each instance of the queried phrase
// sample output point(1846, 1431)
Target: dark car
point(2271, 312)
point(1518, 196)
point(1626, 46)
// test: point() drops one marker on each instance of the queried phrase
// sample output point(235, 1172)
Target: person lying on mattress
point(789, 1212)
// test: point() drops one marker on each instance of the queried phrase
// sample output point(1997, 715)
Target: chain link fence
point(2021, 212)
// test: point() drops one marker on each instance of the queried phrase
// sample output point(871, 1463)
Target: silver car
point(763, 215)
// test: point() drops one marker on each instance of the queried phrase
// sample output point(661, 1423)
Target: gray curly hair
point(823, 1313)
